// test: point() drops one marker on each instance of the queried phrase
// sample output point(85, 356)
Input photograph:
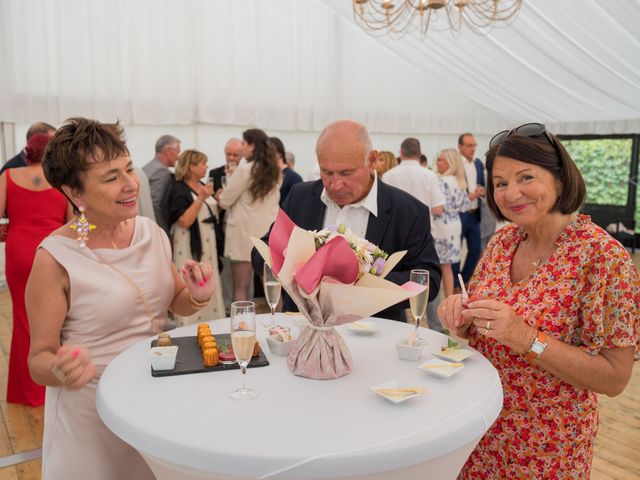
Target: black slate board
point(189, 358)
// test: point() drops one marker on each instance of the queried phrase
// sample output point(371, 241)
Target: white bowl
point(163, 358)
point(411, 353)
point(278, 347)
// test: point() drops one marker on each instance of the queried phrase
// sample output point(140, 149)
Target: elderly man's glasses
point(526, 130)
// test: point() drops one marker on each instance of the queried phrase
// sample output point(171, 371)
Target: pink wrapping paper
point(325, 287)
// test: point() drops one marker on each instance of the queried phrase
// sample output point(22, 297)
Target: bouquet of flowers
point(372, 259)
point(334, 278)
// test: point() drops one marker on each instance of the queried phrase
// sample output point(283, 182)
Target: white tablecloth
point(186, 426)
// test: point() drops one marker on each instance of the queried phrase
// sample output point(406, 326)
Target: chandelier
point(403, 16)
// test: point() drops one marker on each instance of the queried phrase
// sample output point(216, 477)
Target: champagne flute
point(243, 339)
point(272, 290)
point(418, 303)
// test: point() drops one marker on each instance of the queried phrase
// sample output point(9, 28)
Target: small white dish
point(407, 352)
point(454, 354)
point(441, 368)
point(362, 327)
point(278, 347)
point(163, 358)
point(385, 390)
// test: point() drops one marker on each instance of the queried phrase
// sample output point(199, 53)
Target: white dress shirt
point(356, 215)
point(472, 179)
point(417, 180)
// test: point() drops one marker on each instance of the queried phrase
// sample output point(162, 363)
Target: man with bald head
point(233, 151)
point(349, 193)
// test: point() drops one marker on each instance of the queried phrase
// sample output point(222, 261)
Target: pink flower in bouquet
point(371, 259)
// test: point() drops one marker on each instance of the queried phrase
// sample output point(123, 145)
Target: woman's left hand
point(498, 320)
point(198, 278)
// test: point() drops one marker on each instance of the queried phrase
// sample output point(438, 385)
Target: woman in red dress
point(554, 306)
point(34, 210)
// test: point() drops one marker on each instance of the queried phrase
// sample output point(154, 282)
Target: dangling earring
point(83, 227)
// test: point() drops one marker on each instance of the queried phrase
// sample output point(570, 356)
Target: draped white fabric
point(572, 64)
point(297, 65)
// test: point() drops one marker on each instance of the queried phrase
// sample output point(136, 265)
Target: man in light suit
point(161, 178)
point(349, 193)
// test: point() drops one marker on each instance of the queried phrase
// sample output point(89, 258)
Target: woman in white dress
point(191, 214)
point(251, 198)
point(446, 229)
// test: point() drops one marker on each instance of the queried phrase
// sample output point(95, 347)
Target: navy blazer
point(480, 172)
point(480, 180)
point(15, 162)
point(403, 223)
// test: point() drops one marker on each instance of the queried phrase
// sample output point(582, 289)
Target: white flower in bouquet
point(370, 258)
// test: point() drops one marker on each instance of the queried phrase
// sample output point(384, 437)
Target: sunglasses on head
point(526, 130)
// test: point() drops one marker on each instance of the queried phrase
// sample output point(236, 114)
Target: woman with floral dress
point(446, 229)
point(191, 216)
point(554, 307)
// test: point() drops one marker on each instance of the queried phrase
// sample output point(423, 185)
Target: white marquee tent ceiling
point(299, 64)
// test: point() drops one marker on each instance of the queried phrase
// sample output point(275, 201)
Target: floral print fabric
point(586, 294)
point(447, 228)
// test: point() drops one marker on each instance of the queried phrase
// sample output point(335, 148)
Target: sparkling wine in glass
point(418, 304)
point(243, 339)
point(272, 290)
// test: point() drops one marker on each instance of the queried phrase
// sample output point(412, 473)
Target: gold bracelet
point(196, 304)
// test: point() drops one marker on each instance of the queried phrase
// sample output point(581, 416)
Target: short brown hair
point(185, 160)
point(553, 158)
point(461, 137)
point(410, 148)
point(77, 145)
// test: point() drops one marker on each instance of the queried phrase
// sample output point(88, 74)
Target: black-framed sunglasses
point(526, 130)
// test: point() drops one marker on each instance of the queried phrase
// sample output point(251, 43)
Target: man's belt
point(473, 210)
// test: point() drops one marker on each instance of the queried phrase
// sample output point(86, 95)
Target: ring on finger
point(488, 327)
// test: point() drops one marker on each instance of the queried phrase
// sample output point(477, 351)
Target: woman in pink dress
point(554, 306)
point(98, 285)
point(34, 210)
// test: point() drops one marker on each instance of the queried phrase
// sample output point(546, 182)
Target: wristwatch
point(538, 346)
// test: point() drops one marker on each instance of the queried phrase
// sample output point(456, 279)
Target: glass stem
point(244, 379)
